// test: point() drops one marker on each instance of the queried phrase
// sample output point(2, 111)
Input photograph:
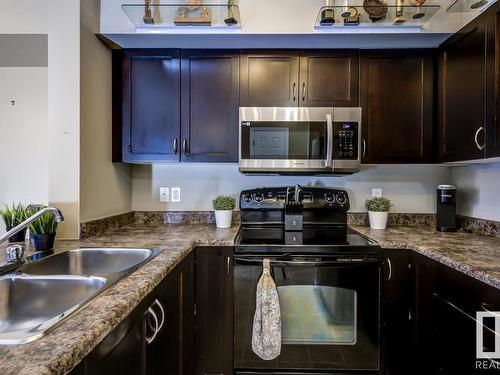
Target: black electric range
point(327, 277)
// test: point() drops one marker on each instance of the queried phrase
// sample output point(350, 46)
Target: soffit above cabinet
point(281, 23)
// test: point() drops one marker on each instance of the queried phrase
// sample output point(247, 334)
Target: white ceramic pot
point(378, 220)
point(223, 218)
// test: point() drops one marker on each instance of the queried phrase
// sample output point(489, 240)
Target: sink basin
point(85, 262)
point(31, 305)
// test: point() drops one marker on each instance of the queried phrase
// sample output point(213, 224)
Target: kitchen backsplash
point(412, 188)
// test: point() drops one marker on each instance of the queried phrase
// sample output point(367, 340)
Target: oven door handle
point(308, 263)
point(329, 141)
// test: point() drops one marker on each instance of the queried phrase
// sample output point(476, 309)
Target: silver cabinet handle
point(184, 146)
point(228, 266)
point(364, 148)
point(329, 137)
point(480, 147)
point(149, 340)
point(176, 146)
point(303, 91)
point(293, 90)
point(162, 313)
point(390, 269)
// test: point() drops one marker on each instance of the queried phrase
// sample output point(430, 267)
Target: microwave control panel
point(345, 140)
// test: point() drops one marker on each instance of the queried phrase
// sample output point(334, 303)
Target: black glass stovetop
point(312, 239)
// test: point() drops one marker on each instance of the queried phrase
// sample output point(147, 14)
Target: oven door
point(282, 139)
point(329, 312)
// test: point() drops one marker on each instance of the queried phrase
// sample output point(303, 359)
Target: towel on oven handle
point(266, 335)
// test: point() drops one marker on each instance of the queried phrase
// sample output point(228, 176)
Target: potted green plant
point(378, 211)
point(13, 216)
point(223, 207)
point(43, 231)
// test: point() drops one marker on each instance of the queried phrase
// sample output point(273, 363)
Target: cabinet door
point(493, 80)
point(463, 90)
point(123, 351)
point(210, 97)
point(269, 79)
point(329, 79)
point(151, 106)
point(397, 293)
point(214, 311)
point(172, 350)
point(397, 101)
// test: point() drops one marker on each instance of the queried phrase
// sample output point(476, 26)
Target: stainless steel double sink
point(39, 295)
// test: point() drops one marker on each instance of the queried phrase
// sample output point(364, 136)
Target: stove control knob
point(341, 198)
point(329, 198)
point(247, 198)
point(259, 197)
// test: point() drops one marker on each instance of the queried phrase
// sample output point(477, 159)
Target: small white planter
point(378, 220)
point(223, 218)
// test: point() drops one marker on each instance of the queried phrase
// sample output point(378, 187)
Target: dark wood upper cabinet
point(214, 311)
point(269, 79)
point(210, 97)
point(462, 102)
point(397, 101)
point(493, 82)
point(329, 79)
point(151, 106)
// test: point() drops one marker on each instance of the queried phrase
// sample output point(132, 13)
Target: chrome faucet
point(13, 252)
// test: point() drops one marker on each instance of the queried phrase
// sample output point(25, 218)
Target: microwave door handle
point(329, 141)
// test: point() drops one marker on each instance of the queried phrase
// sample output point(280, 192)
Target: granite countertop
point(473, 254)
point(64, 347)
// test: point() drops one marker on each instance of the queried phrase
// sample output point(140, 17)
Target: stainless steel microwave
point(299, 140)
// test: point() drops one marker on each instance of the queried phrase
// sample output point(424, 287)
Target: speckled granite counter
point(473, 254)
point(60, 350)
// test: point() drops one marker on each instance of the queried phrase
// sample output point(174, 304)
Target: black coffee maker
point(446, 209)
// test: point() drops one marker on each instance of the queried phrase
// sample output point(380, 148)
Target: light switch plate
point(377, 193)
point(164, 194)
point(176, 194)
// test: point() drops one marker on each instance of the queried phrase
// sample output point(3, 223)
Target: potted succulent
point(43, 231)
point(223, 207)
point(13, 216)
point(378, 211)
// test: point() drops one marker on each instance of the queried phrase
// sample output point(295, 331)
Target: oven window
point(329, 317)
point(283, 140)
point(320, 315)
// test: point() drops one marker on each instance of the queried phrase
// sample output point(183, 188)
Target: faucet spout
point(57, 215)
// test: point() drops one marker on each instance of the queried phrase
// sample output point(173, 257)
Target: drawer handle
point(480, 147)
point(162, 313)
point(149, 340)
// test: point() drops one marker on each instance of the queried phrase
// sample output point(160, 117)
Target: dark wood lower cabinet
point(438, 334)
point(214, 311)
point(131, 349)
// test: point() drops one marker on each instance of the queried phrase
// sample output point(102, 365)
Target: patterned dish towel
point(266, 337)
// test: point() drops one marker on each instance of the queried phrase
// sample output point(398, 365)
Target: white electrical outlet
point(164, 194)
point(377, 193)
point(176, 194)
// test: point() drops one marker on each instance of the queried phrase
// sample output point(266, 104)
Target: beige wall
point(477, 190)
point(105, 188)
point(64, 112)
point(411, 187)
